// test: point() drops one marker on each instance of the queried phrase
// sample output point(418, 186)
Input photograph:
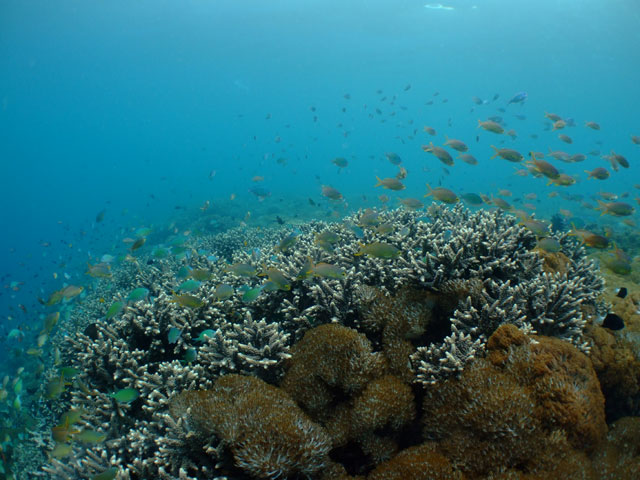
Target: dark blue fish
point(613, 322)
point(519, 97)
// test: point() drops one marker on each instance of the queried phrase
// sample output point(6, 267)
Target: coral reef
point(352, 344)
point(422, 462)
point(617, 364)
point(505, 409)
point(336, 378)
point(330, 357)
point(267, 433)
point(620, 456)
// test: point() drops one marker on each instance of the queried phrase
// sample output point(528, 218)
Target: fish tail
point(379, 181)
point(496, 149)
point(264, 269)
point(430, 190)
point(311, 265)
point(602, 206)
point(574, 233)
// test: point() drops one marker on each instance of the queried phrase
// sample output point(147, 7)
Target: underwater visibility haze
point(319, 239)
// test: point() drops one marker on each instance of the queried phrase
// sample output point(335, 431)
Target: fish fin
point(430, 190)
point(310, 271)
point(262, 274)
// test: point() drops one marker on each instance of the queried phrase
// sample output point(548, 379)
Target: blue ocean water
point(128, 108)
point(146, 110)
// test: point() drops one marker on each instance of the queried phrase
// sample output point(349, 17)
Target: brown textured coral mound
point(618, 369)
point(558, 460)
point(330, 361)
point(483, 419)
point(267, 433)
point(385, 402)
point(337, 379)
point(504, 410)
point(398, 319)
point(565, 389)
point(619, 458)
point(422, 462)
point(385, 405)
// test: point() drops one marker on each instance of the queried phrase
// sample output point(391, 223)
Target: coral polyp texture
point(268, 435)
point(536, 389)
point(441, 346)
